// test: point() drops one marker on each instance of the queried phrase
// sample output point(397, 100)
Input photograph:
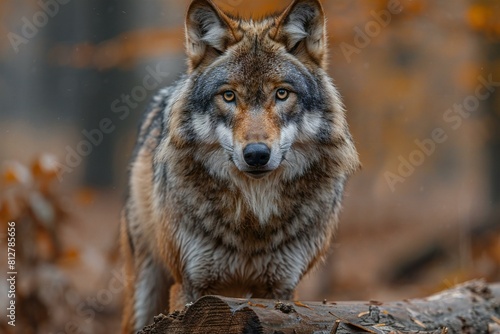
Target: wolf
point(239, 169)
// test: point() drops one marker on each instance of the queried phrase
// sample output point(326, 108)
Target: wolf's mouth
point(257, 174)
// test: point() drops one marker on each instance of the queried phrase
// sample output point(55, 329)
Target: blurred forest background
point(421, 84)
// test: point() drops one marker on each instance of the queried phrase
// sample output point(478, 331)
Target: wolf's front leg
point(178, 298)
point(147, 288)
point(151, 295)
point(182, 294)
point(282, 286)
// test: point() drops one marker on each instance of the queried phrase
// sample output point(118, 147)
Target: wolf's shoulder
point(155, 110)
point(152, 123)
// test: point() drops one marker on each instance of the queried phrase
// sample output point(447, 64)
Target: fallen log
point(473, 307)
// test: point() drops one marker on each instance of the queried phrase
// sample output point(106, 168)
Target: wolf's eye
point(282, 94)
point(229, 96)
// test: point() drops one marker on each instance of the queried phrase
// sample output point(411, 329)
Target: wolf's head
point(259, 90)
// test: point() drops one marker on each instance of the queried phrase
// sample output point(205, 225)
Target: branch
point(473, 307)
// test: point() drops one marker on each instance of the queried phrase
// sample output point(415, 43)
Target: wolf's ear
point(301, 28)
point(208, 31)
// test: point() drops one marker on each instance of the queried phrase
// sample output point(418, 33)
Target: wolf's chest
point(222, 270)
point(263, 200)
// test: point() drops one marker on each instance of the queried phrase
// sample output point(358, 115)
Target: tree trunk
point(473, 307)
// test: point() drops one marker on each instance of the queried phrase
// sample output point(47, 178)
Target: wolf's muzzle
point(256, 155)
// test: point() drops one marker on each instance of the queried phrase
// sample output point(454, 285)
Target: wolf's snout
point(257, 154)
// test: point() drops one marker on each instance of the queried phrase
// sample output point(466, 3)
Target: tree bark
point(473, 307)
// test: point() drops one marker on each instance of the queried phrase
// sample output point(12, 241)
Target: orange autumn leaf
point(85, 196)
point(45, 167)
point(478, 16)
point(69, 257)
point(17, 173)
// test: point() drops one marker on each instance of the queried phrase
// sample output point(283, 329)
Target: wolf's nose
point(256, 155)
